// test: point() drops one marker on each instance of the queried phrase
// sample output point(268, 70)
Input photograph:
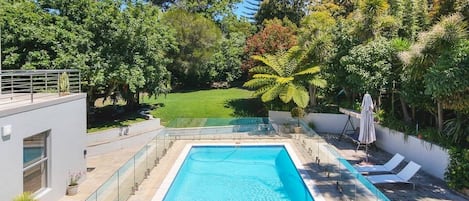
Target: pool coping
point(166, 184)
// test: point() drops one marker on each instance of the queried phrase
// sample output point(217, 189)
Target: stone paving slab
point(105, 166)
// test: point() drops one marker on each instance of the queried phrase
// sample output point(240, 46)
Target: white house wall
point(66, 120)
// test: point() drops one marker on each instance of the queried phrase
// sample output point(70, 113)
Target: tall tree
point(316, 37)
point(118, 49)
point(425, 53)
point(211, 9)
point(447, 81)
point(371, 11)
point(282, 76)
point(270, 9)
point(421, 14)
point(396, 8)
point(225, 64)
point(35, 39)
point(345, 38)
point(369, 67)
point(276, 36)
point(138, 55)
point(409, 22)
point(198, 39)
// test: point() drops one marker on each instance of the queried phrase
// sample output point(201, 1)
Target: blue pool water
point(238, 173)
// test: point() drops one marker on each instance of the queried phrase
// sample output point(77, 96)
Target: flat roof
point(22, 102)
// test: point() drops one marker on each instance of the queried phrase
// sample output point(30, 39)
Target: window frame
point(42, 163)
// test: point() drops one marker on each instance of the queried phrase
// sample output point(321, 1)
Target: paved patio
point(428, 188)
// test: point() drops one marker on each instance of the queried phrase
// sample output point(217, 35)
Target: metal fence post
point(47, 78)
point(79, 82)
point(11, 86)
point(58, 83)
point(31, 87)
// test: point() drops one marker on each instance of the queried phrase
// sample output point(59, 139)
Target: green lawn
point(221, 103)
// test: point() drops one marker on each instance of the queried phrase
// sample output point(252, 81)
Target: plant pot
point(72, 190)
point(297, 129)
point(64, 93)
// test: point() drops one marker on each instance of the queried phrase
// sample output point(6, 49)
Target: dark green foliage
point(397, 124)
point(369, 66)
point(457, 129)
point(298, 113)
point(457, 175)
point(211, 9)
point(225, 64)
point(448, 79)
point(280, 9)
point(284, 76)
point(198, 39)
point(34, 39)
point(118, 51)
point(409, 25)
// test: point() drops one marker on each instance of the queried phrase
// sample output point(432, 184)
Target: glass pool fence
point(125, 181)
point(329, 170)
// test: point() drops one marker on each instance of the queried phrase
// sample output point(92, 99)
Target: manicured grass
point(213, 103)
point(190, 108)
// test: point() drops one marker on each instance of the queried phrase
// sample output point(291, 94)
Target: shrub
point(457, 174)
point(25, 196)
point(298, 112)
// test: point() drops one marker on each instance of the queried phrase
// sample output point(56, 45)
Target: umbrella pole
point(366, 152)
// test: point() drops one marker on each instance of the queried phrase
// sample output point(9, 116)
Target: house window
point(35, 162)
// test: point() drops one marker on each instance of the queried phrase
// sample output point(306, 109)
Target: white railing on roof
point(27, 85)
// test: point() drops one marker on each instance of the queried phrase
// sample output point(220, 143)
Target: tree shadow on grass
point(112, 117)
point(251, 107)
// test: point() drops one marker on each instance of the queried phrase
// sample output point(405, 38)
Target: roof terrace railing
point(28, 85)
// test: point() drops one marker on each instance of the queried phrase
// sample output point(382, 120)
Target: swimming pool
point(248, 172)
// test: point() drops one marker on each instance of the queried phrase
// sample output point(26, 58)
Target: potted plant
point(64, 84)
point(72, 187)
point(298, 113)
point(25, 196)
point(286, 128)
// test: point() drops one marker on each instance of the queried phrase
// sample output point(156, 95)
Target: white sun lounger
point(402, 177)
point(387, 167)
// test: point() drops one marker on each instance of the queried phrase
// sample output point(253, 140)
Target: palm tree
point(424, 54)
point(283, 75)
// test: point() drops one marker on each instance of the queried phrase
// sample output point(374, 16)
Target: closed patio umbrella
point(367, 127)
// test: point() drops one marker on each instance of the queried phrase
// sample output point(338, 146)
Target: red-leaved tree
point(277, 35)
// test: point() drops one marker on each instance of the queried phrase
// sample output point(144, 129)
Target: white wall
point(66, 118)
point(122, 142)
point(433, 159)
point(330, 123)
point(115, 133)
point(323, 123)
